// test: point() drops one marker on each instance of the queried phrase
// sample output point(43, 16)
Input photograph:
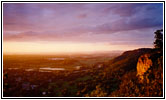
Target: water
point(13, 68)
point(56, 58)
point(43, 69)
point(48, 68)
point(29, 69)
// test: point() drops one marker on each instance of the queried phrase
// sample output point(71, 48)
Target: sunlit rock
point(143, 64)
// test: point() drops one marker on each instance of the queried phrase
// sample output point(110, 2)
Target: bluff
point(143, 64)
point(140, 73)
point(147, 63)
point(128, 60)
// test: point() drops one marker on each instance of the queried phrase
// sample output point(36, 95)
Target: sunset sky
point(79, 27)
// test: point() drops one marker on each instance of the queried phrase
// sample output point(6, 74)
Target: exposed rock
point(143, 64)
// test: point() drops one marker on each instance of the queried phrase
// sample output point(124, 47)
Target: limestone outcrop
point(143, 64)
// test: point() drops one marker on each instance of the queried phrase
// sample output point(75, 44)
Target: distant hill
point(128, 60)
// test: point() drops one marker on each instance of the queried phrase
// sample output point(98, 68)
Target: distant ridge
point(127, 60)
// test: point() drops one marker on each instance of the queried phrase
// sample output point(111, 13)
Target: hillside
point(116, 77)
point(119, 76)
point(125, 69)
point(128, 60)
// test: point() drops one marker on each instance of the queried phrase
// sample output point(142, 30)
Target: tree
point(158, 43)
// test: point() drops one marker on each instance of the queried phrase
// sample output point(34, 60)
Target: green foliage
point(158, 43)
point(98, 92)
point(152, 85)
point(85, 78)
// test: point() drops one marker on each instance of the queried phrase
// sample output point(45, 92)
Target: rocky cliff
point(143, 64)
point(146, 77)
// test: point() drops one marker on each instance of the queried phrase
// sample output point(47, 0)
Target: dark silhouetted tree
point(158, 43)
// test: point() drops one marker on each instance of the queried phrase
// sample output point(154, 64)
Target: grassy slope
point(118, 78)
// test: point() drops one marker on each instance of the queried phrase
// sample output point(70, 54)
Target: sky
point(79, 27)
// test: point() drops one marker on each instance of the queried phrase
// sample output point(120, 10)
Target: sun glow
point(59, 47)
point(53, 47)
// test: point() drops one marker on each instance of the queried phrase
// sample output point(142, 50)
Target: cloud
point(125, 25)
point(82, 16)
point(133, 17)
point(52, 21)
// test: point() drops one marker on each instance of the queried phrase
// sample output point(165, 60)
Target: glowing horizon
point(60, 47)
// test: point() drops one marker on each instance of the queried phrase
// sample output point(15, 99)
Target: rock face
point(143, 64)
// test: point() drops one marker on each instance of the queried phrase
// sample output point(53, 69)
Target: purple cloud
point(82, 16)
point(79, 21)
